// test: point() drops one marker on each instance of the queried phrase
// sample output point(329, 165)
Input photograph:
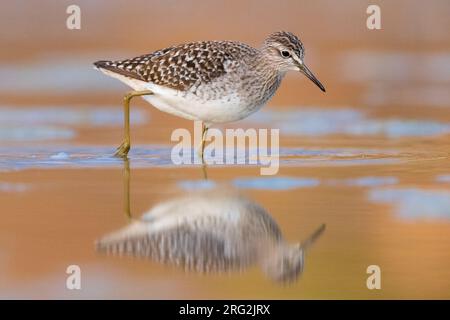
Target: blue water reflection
point(445, 178)
point(36, 123)
point(364, 182)
point(275, 183)
point(289, 183)
point(145, 156)
point(321, 122)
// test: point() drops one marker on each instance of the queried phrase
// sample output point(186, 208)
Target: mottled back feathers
point(181, 67)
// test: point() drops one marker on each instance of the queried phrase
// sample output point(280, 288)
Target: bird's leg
point(204, 171)
point(122, 150)
point(126, 189)
point(202, 150)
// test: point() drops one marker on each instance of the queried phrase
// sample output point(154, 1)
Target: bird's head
point(285, 52)
point(284, 262)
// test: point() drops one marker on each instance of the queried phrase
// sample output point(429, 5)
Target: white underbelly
point(190, 106)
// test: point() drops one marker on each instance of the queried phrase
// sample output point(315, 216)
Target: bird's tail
point(117, 68)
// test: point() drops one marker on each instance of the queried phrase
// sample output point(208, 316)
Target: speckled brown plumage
point(212, 81)
point(209, 232)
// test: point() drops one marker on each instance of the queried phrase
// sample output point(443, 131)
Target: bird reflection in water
point(212, 231)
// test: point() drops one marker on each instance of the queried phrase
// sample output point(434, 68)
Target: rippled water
point(364, 170)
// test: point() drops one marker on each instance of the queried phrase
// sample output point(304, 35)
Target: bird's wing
point(181, 67)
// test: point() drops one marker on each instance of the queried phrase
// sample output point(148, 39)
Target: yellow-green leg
point(126, 189)
point(122, 150)
point(202, 150)
point(205, 171)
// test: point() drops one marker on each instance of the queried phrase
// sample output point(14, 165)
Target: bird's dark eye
point(285, 54)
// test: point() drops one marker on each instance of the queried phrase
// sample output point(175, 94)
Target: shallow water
point(369, 160)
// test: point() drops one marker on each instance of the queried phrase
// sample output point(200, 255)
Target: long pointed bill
point(304, 69)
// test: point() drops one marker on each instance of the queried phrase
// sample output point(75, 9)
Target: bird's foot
point(122, 150)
